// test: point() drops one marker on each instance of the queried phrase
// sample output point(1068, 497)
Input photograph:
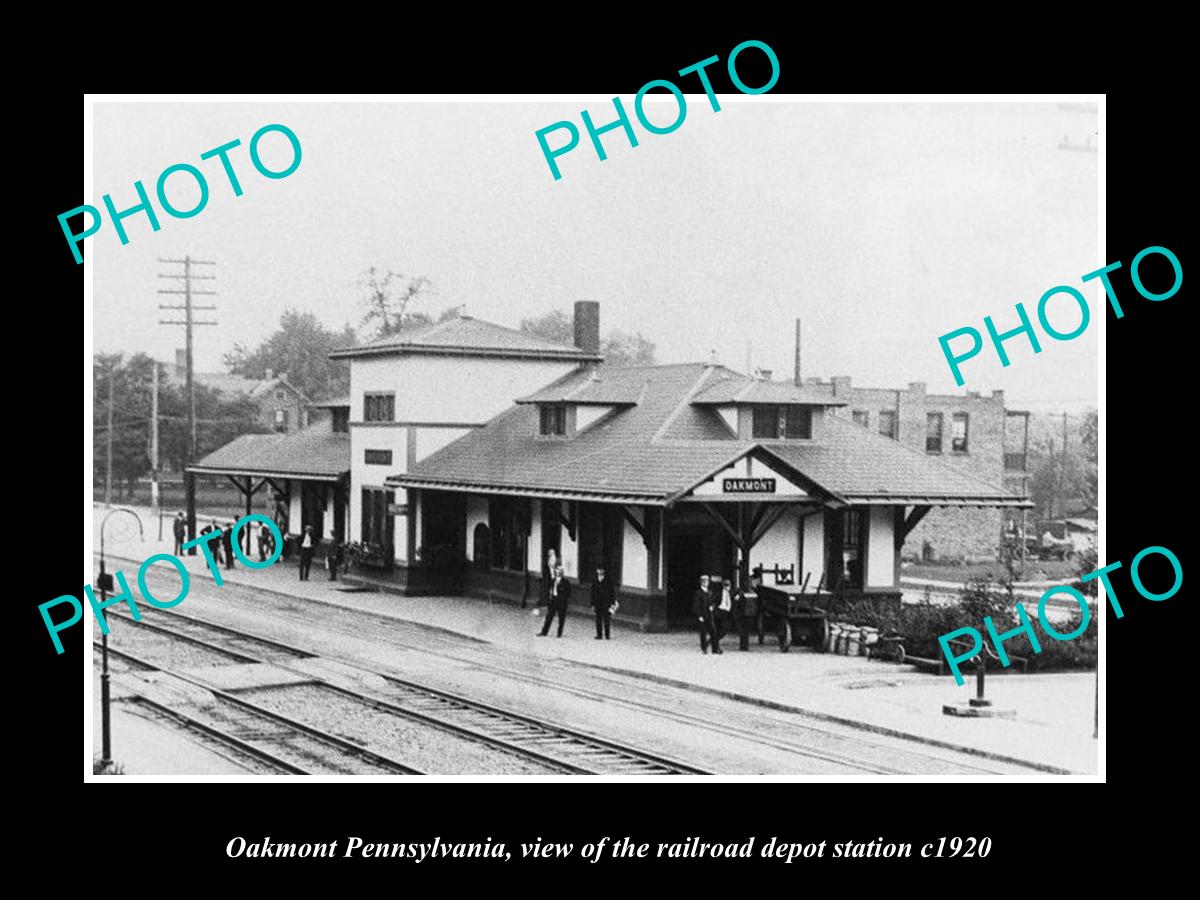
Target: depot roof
point(316, 453)
point(736, 390)
point(465, 336)
point(661, 447)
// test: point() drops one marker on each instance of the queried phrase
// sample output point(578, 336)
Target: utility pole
point(188, 322)
point(155, 503)
point(112, 377)
point(1062, 507)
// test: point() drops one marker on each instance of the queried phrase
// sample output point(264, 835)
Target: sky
point(880, 225)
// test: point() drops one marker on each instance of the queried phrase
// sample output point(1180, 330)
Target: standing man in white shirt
point(306, 552)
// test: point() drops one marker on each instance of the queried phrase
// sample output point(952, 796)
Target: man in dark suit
point(227, 544)
point(604, 598)
point(179, 527)
point(556, 604)
point(308, 544)
point(702, 609)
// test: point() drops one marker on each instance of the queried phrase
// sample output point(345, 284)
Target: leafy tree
point(1060, 483)
point(389, 295)
point(618, 347)
point(219, 419)
point(301, 348)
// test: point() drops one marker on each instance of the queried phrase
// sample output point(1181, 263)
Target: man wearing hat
point(604, 600)
point(306, 552)
point(179, 527)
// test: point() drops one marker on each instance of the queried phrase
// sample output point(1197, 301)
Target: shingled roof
point(666, 444)
point(465, 336)
point(740, 389)
point(316, 453)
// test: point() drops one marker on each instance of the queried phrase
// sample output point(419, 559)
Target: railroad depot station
point(465, 440)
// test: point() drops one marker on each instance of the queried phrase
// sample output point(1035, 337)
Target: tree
point(1060, 483)
point(218, 419)
point(618, 347)
point(389, 294)
point(301, 348)
point(130, 384)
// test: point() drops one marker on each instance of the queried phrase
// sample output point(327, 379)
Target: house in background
point(283, 407)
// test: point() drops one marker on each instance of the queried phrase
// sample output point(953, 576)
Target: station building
point(662, 473)
point(470, 442)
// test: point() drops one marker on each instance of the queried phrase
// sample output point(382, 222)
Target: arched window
point(481, 544)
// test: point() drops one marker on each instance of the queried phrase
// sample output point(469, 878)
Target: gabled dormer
point(575, 404)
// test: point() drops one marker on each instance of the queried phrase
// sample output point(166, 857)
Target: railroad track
point(553, 746)
point(890, 759)
point(280, 741)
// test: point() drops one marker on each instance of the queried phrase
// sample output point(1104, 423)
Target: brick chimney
point(841, 386)
point(181, 363)
point(270, 374)
point(916, 387)
point(587, 326)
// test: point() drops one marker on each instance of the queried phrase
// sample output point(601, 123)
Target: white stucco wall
point(534, 557)
point(400, 534)
point(779, 547)
point(294, 509)
point(477, 512)
point(881, 548)
point(813, 557)
point(456, 390)
point(569, 554)
point(633, 552)
point(460, 389)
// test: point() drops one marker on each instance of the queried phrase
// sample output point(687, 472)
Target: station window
point(281, 420)
point(797, 422)
point(553, 418)
point(379, 407)
point(933, 432)
point(958, 437)
point(378, 457)
point(340, 419)
point(862, 417)
point(766, 422)
point(887, 423)
point(774, 422)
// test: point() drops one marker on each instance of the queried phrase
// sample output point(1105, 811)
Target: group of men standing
point(222, 548)
point(719, 609)
point(558, 598)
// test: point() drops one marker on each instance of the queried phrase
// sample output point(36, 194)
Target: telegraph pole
point(155, 504)
point(112, 377)
point(188, 322)
point(1062, 502)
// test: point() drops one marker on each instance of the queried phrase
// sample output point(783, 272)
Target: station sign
point(748, 485)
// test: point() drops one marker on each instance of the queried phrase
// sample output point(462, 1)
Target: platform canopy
point(316, 453)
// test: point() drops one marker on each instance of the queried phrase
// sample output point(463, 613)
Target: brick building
point(974, 434)
point(283, 407)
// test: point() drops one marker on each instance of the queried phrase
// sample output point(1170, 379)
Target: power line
point(188, 323)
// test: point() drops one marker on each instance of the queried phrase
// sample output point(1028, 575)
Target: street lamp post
point(104, 583)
